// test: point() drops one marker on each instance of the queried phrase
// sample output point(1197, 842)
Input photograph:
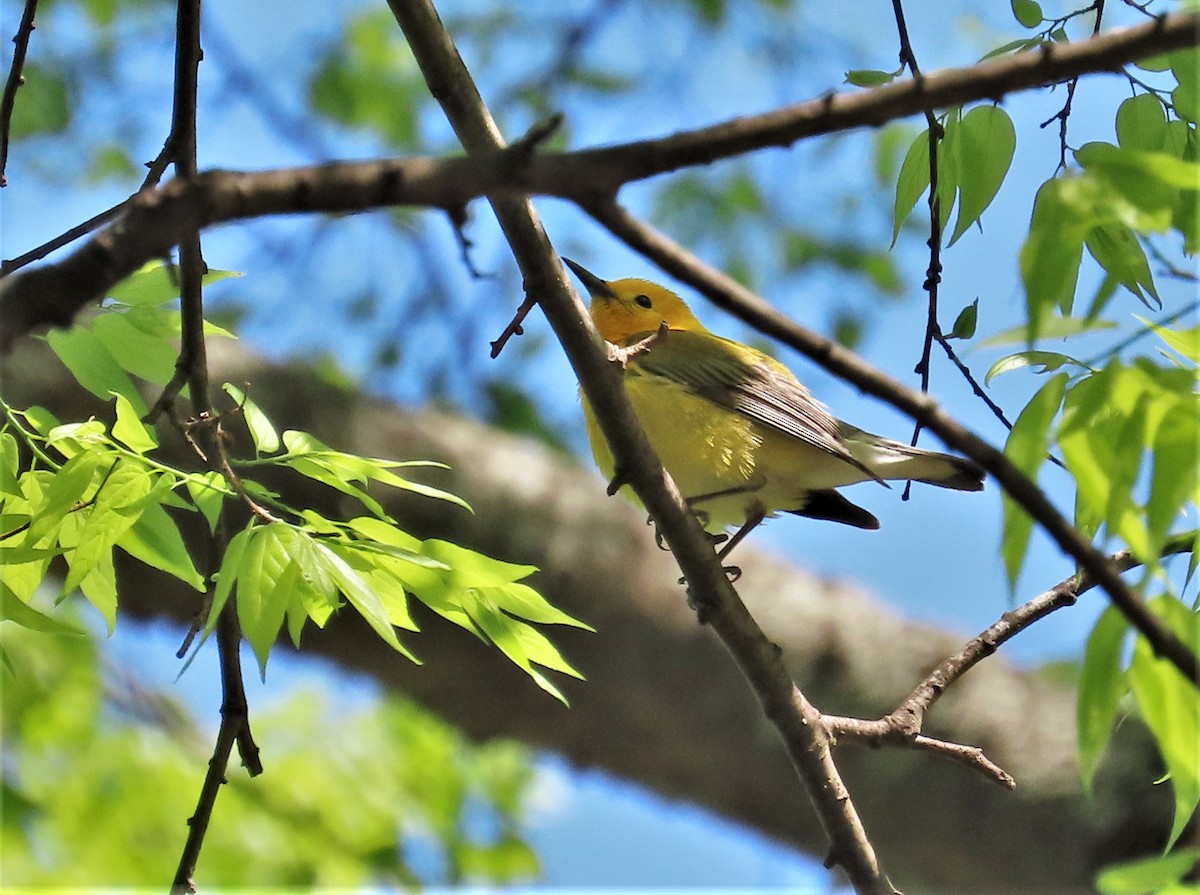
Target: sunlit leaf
point(42, 103)
point(93, 366)
point(1170, 706)
point(1040, 361)
point(1027, 446)
point(987, 142)
point(912, 182)
point(266, 440)
point(867, 77)
point(155, 540)
point(1101, 685)
point(1155, 874)
point(1142, 123)
point(129, 428)
point(156, 284)
point(1054, 328)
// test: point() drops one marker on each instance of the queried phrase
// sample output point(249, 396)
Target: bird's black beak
point(596, 287)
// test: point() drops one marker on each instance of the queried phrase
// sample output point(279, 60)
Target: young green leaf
point(965, 322)
point(266, 440)
point(13, 609)
point(156, 284)
point(1170, 706)
point(1054, 328)
point(1142, 123)
point(130, 430)
point(265, 586)
point(63, 495)
point(912, 182)
point(1101, 685)
point(92, 365)
point(208, 492)
point(103, 524)
point(155, 540)
point(868, 77)
point(1043, 361)
point(1161, 874)
point(360, 596)
point(1117, 250)
point(1027, 446)
point(1027, 12)
point(135, 346)
point(987, 141)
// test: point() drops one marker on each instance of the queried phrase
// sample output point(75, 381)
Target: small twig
point(15, 79)
point(910, 714)
point(1064, 113)
point(623, 356)
point(882, 733)
point(933, 273)
point(978, 389)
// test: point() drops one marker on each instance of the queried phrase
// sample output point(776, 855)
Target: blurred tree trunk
point(662, 704)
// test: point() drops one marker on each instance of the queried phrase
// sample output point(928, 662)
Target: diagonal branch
point(744, 304)
point(797, 721)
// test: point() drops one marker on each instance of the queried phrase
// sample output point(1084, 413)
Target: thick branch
point(156, 222)
point(744, 304)
point(796, 720)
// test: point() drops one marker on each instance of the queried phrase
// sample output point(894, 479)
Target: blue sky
point(956, 579)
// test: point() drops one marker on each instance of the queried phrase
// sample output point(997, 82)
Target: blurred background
point(384, 301)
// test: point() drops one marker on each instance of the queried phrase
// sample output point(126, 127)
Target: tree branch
point(744, 304)
point(796, 720)
point(15, 79)
point(155, 222)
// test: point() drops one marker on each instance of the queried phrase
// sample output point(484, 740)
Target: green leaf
point(1117, 250)
point(208, 492)
point(1157, 874)
point(1027, 446)
point(1101, 685)
point(42, 105)
point(105, 522)
point(13, 609)
point(10, 464)
point(155, 540)
point(63, 494)
point(987, 142)
point(156, 284)
point(227, 575)
point(1185, 341)
point(371, 81)
point(1052, 252)
point(1054, 328)
point(266, 440)
point(868, 77)
point(130, 430)
point(265, 584)
point(1047, 361)
point(93, 366)
point(1027, 12)
point(148, 355)
point(965, 322)
point(1173, 481)
point(502, 631)
point(912, 182)
point(360, 596)
point(1170, 706)
point(1142, 123)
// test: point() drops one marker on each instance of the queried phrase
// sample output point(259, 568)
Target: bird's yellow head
point(622, 308)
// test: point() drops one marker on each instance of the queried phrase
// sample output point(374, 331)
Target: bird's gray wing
point(717, 369)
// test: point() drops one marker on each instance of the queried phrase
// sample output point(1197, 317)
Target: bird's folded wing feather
point(754, 385)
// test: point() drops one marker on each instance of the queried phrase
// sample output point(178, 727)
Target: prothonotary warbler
point(739, 434)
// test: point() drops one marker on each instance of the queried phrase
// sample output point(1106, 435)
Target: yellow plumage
point(739, 434)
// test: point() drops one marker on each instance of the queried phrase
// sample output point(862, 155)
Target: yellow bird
point(739, 434)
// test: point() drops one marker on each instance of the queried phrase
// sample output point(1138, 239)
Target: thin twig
point(193, 365)
point(837, 359)
point(933, 273)
point(1064, 113)
point(902, 727)
point(15, 79)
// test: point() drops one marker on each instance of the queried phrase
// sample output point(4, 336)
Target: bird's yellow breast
point(706, 449)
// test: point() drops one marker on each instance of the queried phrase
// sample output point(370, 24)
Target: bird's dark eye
point(643, 301)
